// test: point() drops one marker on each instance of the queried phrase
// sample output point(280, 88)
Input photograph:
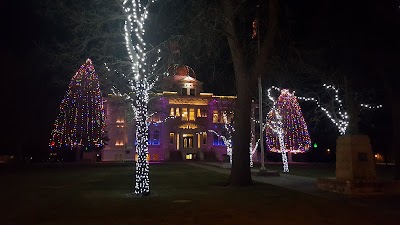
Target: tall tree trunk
point(240, 172)
point(246, 80)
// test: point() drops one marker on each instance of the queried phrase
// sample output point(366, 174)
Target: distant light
point(315, 145)
point(328, 150)
point(376, 155)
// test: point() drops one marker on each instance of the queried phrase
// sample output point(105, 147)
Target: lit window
point(215, 116)
point(223, 117)
point(191, 114)
point(177, 141)
point(177, 112)
point(198, 113)
point(198, 140)
point(215, 140)
point(171, 112)
point(203, 113)
point(156, 137)
point(189, 156)
point(171, 137)
point(184, 114)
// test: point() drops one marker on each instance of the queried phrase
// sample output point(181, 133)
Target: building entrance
point(187, 140)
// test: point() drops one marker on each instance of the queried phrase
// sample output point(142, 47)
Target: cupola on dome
point(181, 70)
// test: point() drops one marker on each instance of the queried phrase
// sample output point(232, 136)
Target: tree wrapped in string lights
point(287, 131)
point(141, 78)
point(81, 120)
point(227, 137)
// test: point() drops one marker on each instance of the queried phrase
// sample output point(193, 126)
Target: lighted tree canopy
point(81, 119)
point(296, 136)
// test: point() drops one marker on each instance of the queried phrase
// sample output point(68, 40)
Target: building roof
point(181, 70)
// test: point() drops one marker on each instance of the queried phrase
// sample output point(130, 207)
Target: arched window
point(215, 116)
point(156, 137)
point(215, 140)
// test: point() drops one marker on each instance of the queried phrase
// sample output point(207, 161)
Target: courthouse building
point(182, 117)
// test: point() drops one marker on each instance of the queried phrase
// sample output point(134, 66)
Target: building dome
point(181, 70)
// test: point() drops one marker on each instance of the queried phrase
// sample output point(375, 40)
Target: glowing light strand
point(277, 127)
point(341, 121)
point(141, 86)
point(227, 139)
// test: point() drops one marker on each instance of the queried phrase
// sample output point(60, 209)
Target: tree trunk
point(354, 109)
point(142, 180)
point(246, 80)
point(240, 172)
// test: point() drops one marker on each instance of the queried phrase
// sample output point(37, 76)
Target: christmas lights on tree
point(275, 125)
point(287, 130)
point(141, 81)
point(297, 139)
point(81, 120)
point(227, 138)
point(339, 117)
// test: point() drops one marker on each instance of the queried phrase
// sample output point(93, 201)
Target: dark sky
point(360, 38)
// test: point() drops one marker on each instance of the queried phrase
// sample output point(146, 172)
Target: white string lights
point(276, 125)
point(140, 85)
point(341, 121)
point(227, 139)
point(339, 118)
point(253, 149)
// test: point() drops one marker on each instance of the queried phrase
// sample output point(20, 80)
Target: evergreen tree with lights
point(81, 120)
point(287, 131)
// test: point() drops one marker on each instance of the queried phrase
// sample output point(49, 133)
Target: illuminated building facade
point(182, 116)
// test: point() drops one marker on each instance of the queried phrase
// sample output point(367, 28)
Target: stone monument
point(355, 163)
point(355, 170)
point(354, 158)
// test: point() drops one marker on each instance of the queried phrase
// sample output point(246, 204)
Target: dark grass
point(180, 194)
point(318, 170)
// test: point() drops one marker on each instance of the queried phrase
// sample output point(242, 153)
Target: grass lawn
point(305, 169)
point(318, 170)
point(181, 194)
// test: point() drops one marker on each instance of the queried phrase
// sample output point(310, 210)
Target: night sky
point(360, 38)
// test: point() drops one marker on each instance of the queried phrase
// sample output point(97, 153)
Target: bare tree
point(246, 75)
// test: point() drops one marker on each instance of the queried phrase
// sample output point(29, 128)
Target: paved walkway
point(389, 204)
point(297, 183)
